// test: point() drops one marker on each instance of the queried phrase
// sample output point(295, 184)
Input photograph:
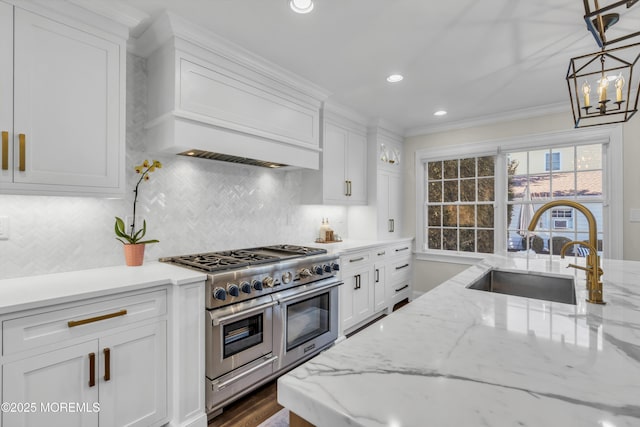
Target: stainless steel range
point(268, 309)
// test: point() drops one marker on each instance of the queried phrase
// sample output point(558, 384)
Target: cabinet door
point(66, 104)
point(363, 295)
point(379, 296)
point(6, 92)
point(335, 141)
point(50, 380)
point(357, 168)
point(136, 392)
point(382, 197)
point(395, 204)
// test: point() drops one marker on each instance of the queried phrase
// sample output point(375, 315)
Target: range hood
point(210, 99)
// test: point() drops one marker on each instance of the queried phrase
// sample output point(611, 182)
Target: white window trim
point(609, 136)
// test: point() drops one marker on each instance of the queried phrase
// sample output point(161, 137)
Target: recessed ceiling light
point(395, 78)
point(440, 113)
point(301, 6)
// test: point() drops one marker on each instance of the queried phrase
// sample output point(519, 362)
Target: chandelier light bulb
point(619, 85)
point(602, 88)
point(301, 6)
point(586, 90)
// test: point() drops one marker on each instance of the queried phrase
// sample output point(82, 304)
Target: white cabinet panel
point(334, 165)
point(6, 93)
point(55, 377)
point(356, 172)
point(67, 135)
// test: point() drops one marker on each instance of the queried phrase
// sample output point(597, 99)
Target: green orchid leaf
point(150, 241)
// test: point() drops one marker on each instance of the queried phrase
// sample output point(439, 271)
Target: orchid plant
point(132, 236)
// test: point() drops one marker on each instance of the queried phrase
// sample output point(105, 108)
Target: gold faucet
point(594, 285)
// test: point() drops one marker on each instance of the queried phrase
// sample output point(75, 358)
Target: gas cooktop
point(237, 258)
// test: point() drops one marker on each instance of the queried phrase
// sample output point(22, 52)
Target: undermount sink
point(529, 285)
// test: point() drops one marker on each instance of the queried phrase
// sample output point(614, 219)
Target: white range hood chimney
point(211, 99)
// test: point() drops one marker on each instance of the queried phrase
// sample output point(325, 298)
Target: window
point(460, 204)
point(458, 216)
point(580, 179)
point(552, 161)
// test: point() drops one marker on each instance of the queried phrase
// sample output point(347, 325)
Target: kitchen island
point(465, 357)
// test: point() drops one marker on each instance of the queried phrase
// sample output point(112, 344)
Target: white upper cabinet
point(342, 179)
point(67, 132)
point(208, 95)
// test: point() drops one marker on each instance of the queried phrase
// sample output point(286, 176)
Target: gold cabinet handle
point(23, 155)
point(92, 369)
point(5, 150)
point(349, 188)
point(346, 188)
point(73, 323)
point(107, 363)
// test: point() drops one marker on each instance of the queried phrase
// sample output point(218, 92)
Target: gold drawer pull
point(73, 323)
point(23, 156)
point(107, 363)
point(5, 150)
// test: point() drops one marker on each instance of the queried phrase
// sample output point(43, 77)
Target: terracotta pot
point(134, 254)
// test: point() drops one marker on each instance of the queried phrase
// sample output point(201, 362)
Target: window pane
point(434, 239)
point(485, 241)
point(539, 186)
point(435, 192)
point(450, 169)
point(485, 216)
point(434, 170)
point(468, 190)
point(467, 216)
point(451, 191)
point(450, 216)
point(590, 183)
point(589, 157)
point(563, 159)
point(486, 166)
point(563, 184)
point(538, 162)
point(468, 168)
point(450, 239)
point(486, 190)
point(435, 216)
point(467, 240)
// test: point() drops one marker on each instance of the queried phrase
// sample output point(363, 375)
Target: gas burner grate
point(299, 250)
point(249, 256)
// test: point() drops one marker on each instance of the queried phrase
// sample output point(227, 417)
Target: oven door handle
point(215, 320)
point(309, 292)
point(267, 361)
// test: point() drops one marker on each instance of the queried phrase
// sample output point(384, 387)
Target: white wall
point(191, 205)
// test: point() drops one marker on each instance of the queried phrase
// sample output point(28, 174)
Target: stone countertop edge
point(462, 357)
point(23, 293)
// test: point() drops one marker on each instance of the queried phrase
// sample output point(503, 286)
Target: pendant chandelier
point(604, 85)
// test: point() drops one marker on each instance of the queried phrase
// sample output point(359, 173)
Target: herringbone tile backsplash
point(190, 205)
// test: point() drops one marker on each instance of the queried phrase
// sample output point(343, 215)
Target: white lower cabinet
point(374, 281)
point(110, 369)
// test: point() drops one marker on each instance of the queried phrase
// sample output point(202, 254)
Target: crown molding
point(523, 113)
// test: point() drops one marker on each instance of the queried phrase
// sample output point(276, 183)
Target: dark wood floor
point(257, 406)
point(251, 410)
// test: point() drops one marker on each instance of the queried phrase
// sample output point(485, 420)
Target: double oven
point(264, 315)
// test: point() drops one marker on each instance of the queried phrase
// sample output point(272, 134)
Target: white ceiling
point(476, 59)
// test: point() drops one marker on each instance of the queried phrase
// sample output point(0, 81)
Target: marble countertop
point(463, 357)
point(24, 293)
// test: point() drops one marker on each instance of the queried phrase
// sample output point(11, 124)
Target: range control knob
point(305, 272)
point(220, 294)
point(335, 266)
point(233, 290)
point(245, 287)
point(317, 269)
point(326, 268)
point(268, 281)
point(257, 285)
point(286, 277)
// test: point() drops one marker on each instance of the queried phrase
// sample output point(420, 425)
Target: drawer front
point(96, 316)
point(399, 270)
point(355, 260)
point(397, 292)
point(382, 253)
point(400, 249)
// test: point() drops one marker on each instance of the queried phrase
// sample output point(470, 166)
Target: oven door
point(238, 334)
point(305, 321)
